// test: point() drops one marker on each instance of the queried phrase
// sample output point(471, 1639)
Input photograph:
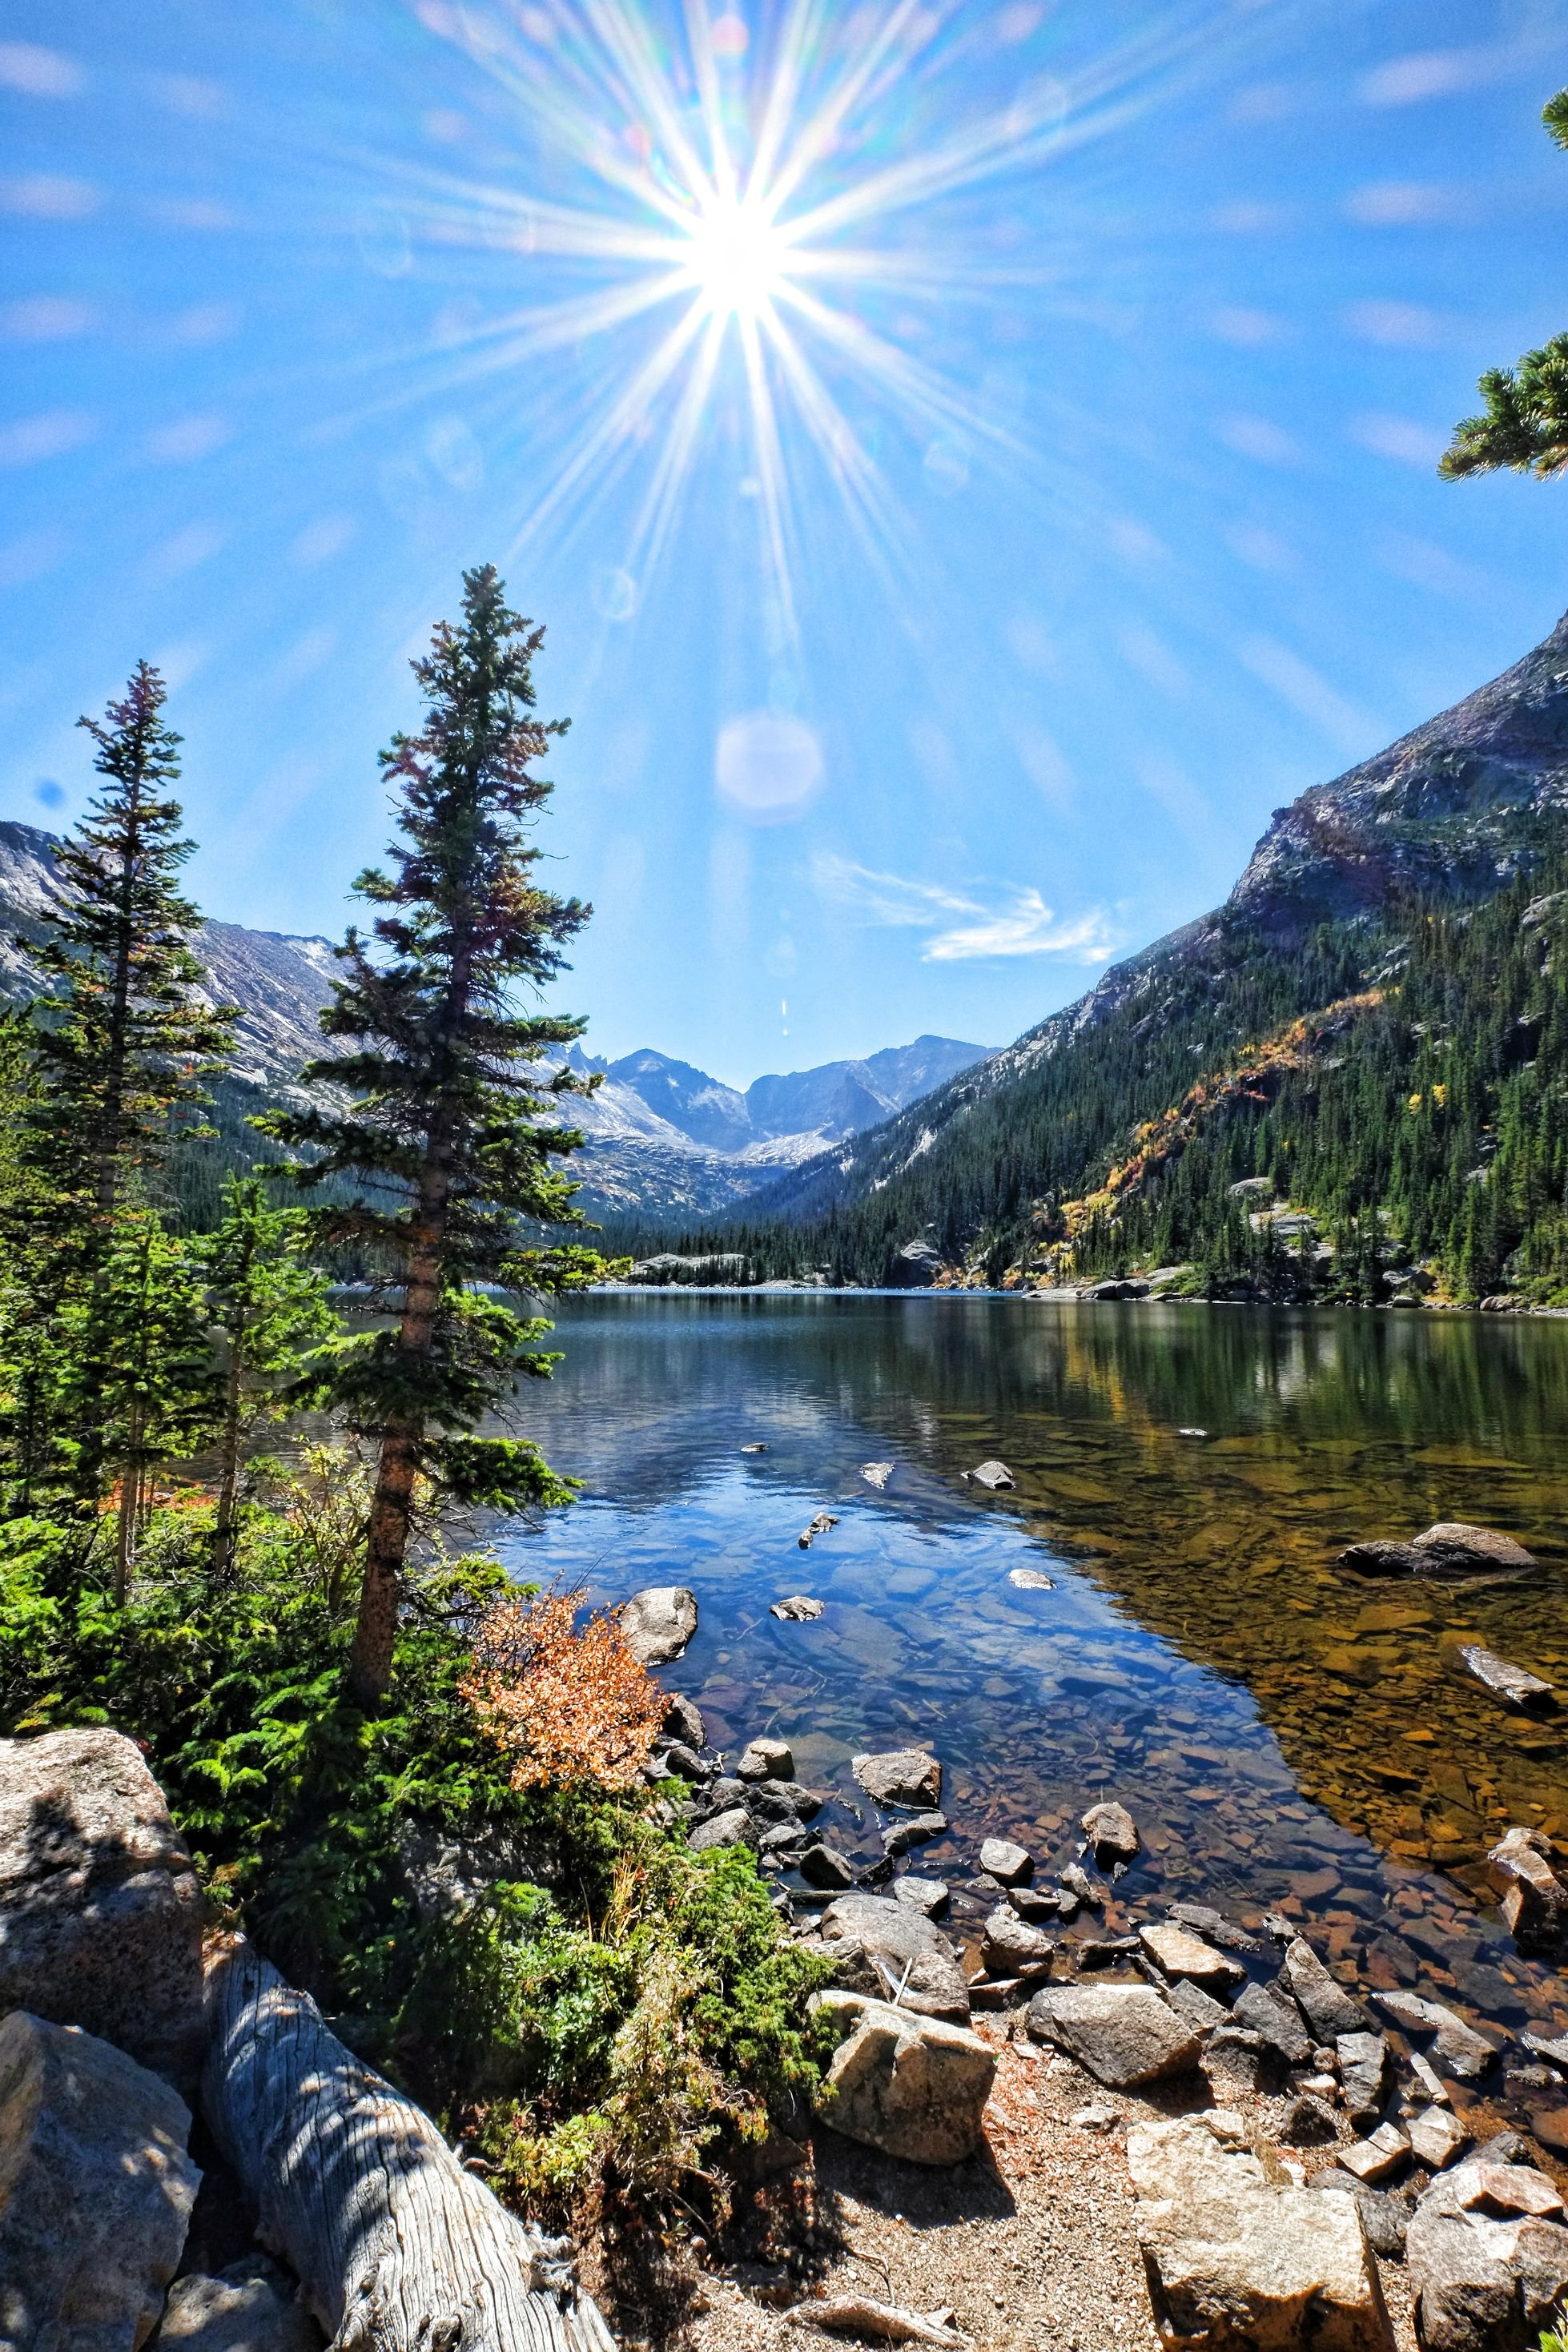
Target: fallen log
point(886, 2323)
point(395, 2245)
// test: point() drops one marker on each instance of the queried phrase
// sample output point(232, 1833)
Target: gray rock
point(1502, 1678)
point(766, 1759)
point(905, 1949)
point(787, 1842)
point(1381, 1557)
point(1458, 2046)
point(1363, 2059)
point(1122, 2034)
point(1078, 1882)
point(1002, 1860)
point(919, 1831)
point(1031, 1580)
point(1198, 2007)
point(683, 1720)
point(1034, 1904)
point(1104, 1951)
point(1236, 2259)
point(658, 1623)
point(1177, 1952)
point(780, 1800)
point(1379, 2156)
point(1534, 1899)
point(1011, 1948)
point(1553, 2048)
point(1385, 2219)
point(96, 2190)
point(822, 1525)
point(1308, 2123)
point(822, 1865)
point(1481, 2281)
point(899, 1775)
point(249, 2307)
point(447, 1875)
point(926, 1895)
point(877, 1474)
point(685, 1763)
point(915, 1267)
point(735, 1827)
point(1236, 2063)
point(1484, 1546)
point(991, 1474)
point(1203, 1921)
point(1113, 1835)
point(913, 2087)
point(1277, 2020)
point(721, 1796)
point(100, 1915)
point(1328, 2008)
point(1436, 2136)
point(798, 1610)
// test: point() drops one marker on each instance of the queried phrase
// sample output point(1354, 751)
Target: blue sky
point(951, 553)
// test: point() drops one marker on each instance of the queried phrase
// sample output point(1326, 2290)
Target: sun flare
point(739, 259)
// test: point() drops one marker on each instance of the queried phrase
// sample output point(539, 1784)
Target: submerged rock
point(658, 1623)
point(899, 1775)
point(913, 2087)
point(798, 1610)
point(1507, 1681)
point(994, 1475)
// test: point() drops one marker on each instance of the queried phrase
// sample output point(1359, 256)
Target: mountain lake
point(1290, 1737)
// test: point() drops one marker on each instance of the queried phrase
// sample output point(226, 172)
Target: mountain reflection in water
point(1286, 1735)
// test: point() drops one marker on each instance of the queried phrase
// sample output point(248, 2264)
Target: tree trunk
point(395, 2245)
point(375, 1629)
point(228, 1477)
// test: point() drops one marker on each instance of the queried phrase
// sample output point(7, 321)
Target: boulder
point(824, 1865)
point(249, 2306)
point(1364, 2060)
point(915, 1267)
point(1276, 2019)
point(992, 1475)
point(1002, 1860)
point(1458, 2046)
point(735, 1827)
point(1122, 2034)
point(905, 1950)
point(1326, 2007)
point(926, 1895)
point(1113, 1833)
point(100, 1915)
point(899, 1775)
point(798, 1610)
point(1436, 2137)
point(658, 1623)
point(1534, 1899)
point(1487, 2261)
point(1200, 2007)
point(683, 1720)
point(1011, 1948)
point(1483, 1547)
point(1382, 1557)
point(1234, 2258)
point(1177, 1953)
point(96, 2190)
point(911, 2085)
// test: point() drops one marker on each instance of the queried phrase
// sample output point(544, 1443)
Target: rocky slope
point(1457, 809)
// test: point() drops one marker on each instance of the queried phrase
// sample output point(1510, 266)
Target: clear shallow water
point(1287, 1736)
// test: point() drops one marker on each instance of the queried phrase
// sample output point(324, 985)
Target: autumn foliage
point(564, 1704)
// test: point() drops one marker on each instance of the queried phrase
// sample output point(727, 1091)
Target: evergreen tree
point(271, 1308)
point(447, 1135)
point(1524, 423)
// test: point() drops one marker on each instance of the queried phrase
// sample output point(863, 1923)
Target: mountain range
point(1230, 1052)
point(663, 1138)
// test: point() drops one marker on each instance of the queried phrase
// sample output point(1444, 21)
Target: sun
point(739, 258)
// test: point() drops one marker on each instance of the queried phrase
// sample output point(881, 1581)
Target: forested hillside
point(1370, 1035)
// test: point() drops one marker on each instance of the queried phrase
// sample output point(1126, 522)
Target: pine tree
point(272, 1309)
point(1524, 423)
point(448, 1136)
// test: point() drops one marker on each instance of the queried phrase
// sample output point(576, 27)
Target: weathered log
point(395, 2245)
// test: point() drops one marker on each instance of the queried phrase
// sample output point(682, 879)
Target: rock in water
point(1030, 1579)
point(1482, 1546)
point(926, 1895)
point(916, 1831)
point(1458, 2046)
point(899, 1775)
point(1506, 1681)
point(1122, 2034)
point(822, 1525)
point(1234, 2259)
point(823, 1866)
point(876, 1474)
point(909, 2085)
point(1534, 1899)
point(798, 1610)
point(905, 1950)
point(766, 1759)
point(1175, 1953)
point(990, 1473)
point(1379, 1557)
point(1113, 1835)
point(1001, 1859)
point(249, 2307)
point(100, 1915)
point(683, 1721)
point(1328, 2008)
point(96, 2189)
point(658, 1623)
point(1011, 1948)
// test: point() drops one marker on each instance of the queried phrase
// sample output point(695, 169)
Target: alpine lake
point(1290, 1737)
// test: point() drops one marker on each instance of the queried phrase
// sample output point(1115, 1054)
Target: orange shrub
point(563, 1705)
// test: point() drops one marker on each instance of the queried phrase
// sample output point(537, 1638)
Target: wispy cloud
point(1011, 921)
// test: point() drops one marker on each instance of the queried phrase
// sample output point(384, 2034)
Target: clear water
point(1286, 1735)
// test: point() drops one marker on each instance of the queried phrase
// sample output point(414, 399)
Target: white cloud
point(1246, 328)
point(33, 438)
point(38, 72)
point(1345, 722)
point(1403, 203)
point(1255, 436)
point(1412, 443)
point(1017, 922)
point(48, 196)
point(1393, 323)
point(1430, 73)
point(48, 318)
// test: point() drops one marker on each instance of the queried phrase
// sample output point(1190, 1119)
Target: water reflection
point(1285, 1733)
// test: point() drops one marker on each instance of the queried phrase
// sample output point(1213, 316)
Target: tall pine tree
point(448, 1137)
point(1524, 423)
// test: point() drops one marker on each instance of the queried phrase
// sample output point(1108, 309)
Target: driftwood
point(886, 2323)
point(395, 2245)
